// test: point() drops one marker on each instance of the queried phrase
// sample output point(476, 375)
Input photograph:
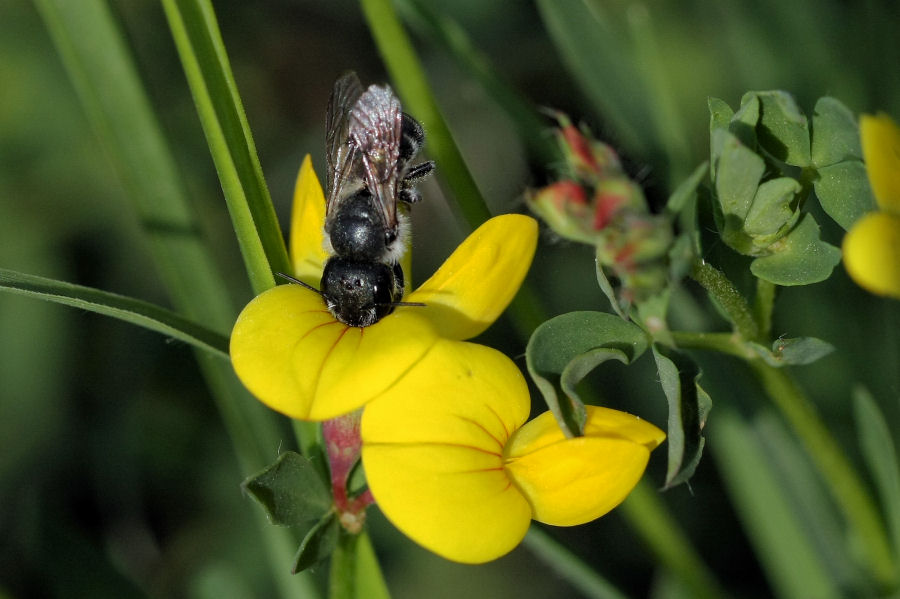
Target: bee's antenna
point(297, 281)
point(412, 304)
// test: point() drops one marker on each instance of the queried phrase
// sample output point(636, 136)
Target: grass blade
point(143, 314)
point(196, 33)
point(103, 73)
point(880, 454)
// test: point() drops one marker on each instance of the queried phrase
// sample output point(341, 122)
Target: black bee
point(369, 143)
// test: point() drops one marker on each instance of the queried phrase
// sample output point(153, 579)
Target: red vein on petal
point(319, 326)
point(327, 354)
point(433, 444)
point(486, 431)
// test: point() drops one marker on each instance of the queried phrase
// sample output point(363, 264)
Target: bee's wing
point(376, 131)
point(338, 152)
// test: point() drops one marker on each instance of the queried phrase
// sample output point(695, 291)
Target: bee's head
point(358, 294)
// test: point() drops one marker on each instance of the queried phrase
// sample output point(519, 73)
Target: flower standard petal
point(872, 253)
point(433, 452)
point(573, 481)
point(880, 138)
point(307, 221)
point(296, 358)
point(476, 283)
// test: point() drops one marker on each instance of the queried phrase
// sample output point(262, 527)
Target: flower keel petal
point(573, 481)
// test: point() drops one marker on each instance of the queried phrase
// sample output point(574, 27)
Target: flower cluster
point(872, 246)
point(448, 455)
point(596, 203)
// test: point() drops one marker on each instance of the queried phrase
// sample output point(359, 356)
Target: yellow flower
point(452, 463)
point(872, 246)
point(295, 357)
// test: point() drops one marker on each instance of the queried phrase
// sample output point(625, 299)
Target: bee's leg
point(418, 172)
point(399, 282)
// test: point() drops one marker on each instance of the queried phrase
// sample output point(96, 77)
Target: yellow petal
point(573, 481)
point(872, 253)
point(880, 138)
point(480, 278)
point(433, 452)
point(297, 359)
point(307, 222)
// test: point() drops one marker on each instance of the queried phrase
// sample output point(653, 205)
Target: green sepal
point(773, 212)
point(799, 258)
point(793, 352)
point(783, 130)
point(835, 134)
point(318, 544)
point(689, 406)
point(290, 490)
point(844, 192)
point(571, 345)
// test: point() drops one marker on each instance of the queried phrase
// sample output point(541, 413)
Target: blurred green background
point(116, 476)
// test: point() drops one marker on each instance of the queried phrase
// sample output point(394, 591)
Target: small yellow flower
point(452, 463)
point(295, 357)
point(872, 246)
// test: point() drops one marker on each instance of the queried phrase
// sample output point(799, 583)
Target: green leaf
point(743, 123)
point(143, 314)
point(797, 351)
point(318, 544)
point(835, 134)
point(738, 172)
point(290, 491)
point(783, 130)
point(799, 258)
point(844, 192)
point(571, 345)
point(607, 288)
point(689, 406)
point(205, 61)
point(881, 458)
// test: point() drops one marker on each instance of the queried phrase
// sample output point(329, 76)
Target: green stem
point(342, 576)
point(725, 343)
point(763, 304)
point(368, 572)
point(646, 512)
point(722, 290)
point(569, 566)
point(846, 487)
point(409, 78)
